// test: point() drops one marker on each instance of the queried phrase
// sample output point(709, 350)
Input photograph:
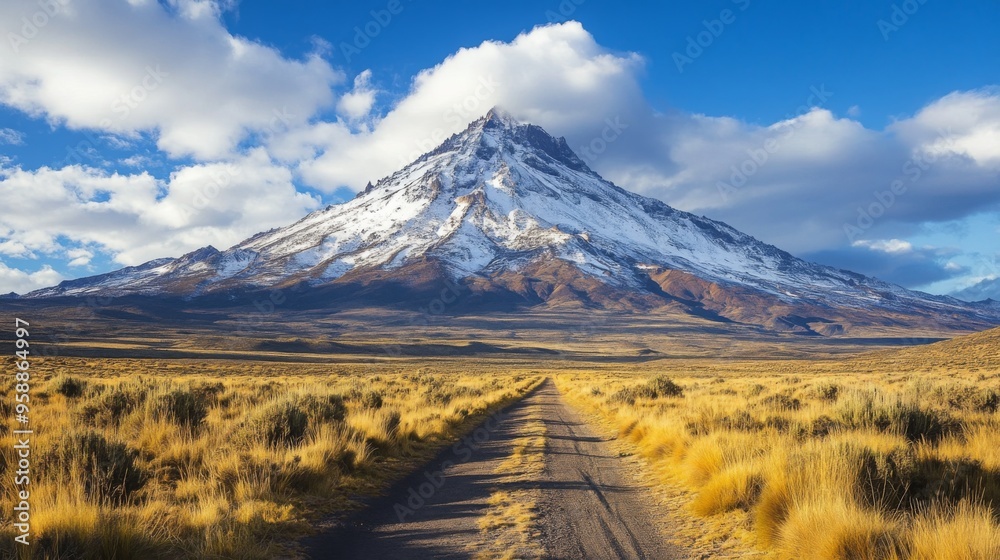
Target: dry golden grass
point(816, 461)
point(157, 459)
point(891, 455)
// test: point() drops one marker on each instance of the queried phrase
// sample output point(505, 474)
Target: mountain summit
point(513, 215)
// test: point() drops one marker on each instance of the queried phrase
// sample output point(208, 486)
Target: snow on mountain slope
point(492, 200)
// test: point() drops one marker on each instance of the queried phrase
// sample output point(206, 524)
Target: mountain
point(512, 217)
point(988, 289)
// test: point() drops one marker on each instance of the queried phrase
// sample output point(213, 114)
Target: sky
point(859, 134)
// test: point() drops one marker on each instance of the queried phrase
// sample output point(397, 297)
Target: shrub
point(329, 408)
point(186, 408)
point(435, 396)
point(936, 481)
point(822, 426)
point(111, 405)
point(371, 400)
point(972, 398)
point(346, 460)
point(986, 400)
point(657, 387)
point(741, 420)
point(625, 395)
point(280, 423)
point(782, 402)
point(755, 390)
point(209, 392)
point(917, 423)
point(109, 469)
point(663, 386)
point(885, 477)
point(828, 392)
point(778, 423)
point(70, 387)
point(907, 418)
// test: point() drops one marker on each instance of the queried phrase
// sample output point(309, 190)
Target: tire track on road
point(587, 508)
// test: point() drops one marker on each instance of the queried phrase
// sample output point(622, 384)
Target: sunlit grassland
point(184, 459)
point(891, 456)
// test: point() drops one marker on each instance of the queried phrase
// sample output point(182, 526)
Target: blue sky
point(753, 71)
point(143, 129)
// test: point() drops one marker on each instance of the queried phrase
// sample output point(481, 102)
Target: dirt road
point(587, 507)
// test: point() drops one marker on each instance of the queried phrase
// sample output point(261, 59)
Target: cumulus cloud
point(79, 256)
point(962, 123)
point(556, 76)
point(811, 181)
point(814, 182)
point(142, 67)
point(136, 217)
point(21, 282)
point(357, 103)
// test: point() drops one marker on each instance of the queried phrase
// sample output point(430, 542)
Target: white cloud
point(136, 218)
point(963, 123)
point(138, 160)
point(823, 169)
point(11, 136)
point(795, 182)
point(21, 282)
point(556, 76)
point(357, 103)
point(197, 9)
point(891, 246)
point(127, 68)
point(79, 257)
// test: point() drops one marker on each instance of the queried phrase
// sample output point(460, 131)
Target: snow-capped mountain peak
point(508, 209)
